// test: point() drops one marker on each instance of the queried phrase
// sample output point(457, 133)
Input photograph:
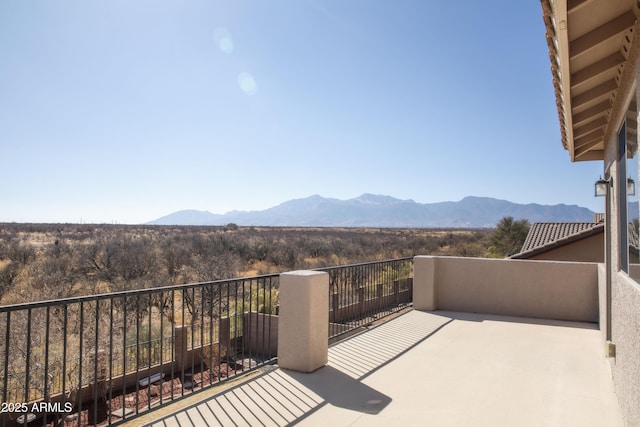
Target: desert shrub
point(508, 237)
point(174, 256)
point(74, 259)
point(8, 274)
point(20, 252)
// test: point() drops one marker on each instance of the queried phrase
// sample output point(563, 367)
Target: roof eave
point(593, 49)
point(555, 19)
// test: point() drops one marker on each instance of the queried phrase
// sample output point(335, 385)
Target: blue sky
point(125, 111)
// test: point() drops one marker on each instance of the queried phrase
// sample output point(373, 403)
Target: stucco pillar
point(303, 324)
point(180, 347)
point(424, 283)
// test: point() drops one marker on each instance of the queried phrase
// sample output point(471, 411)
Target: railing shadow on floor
point(283, 397)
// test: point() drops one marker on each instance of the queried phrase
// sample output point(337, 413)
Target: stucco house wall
point(625, 334)
point(589, 249)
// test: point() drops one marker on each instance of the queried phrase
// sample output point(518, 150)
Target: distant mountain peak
point(376, 199)
point(376, 210)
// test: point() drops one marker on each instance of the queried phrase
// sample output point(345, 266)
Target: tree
point(8, 275)
point(508, 237)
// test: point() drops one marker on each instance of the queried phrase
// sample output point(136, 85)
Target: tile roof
point(546, 235)
point(542, 233)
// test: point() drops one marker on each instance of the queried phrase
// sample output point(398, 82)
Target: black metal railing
point(106, 358)
point(360, 294)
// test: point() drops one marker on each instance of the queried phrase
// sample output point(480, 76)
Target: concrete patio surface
point(428, 368)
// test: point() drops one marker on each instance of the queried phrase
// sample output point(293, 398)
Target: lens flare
point(223, 40)
point(247, 83)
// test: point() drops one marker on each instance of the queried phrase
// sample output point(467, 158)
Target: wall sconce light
point(602, 187)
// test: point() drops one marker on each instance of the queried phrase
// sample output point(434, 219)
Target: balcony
point(430, 368)
point(502, 342)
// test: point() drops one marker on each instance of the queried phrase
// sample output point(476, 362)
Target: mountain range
point(370, 210)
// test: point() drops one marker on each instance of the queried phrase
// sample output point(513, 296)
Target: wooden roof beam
point(596, 110)
point(597, 68)
point(598, 123)
point(602, 33)
point(582, 150)
point(589, 155)
point(593, 93)
point(572, 4)
point(588, 138)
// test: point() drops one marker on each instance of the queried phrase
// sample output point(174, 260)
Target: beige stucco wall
point(625, 298)
point(303, 324)
point(540, 289)
point(424, 291)
point(602, 300)
point(625, 330)
point(261, 333)
point(589, 249)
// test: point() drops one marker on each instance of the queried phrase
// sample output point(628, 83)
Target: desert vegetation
point(71, 344)
point(48, 261)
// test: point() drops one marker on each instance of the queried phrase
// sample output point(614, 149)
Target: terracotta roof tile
point(544, 236)
point(543, 233)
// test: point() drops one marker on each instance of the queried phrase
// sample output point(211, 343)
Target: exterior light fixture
point(602, 187)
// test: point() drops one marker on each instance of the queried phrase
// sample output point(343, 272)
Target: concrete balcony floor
point(428, 368)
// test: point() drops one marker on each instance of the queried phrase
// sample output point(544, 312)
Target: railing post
point(361, 300)
point(98, 359)
point(98, 409)
point(335, 305)
point(424, 283)
point(303, 324)
point(225, 336)
point(180, 345)
point(396, 292)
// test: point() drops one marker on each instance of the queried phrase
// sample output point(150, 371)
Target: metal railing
point(359, 294)
point(106, 358)
point(98, 357)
